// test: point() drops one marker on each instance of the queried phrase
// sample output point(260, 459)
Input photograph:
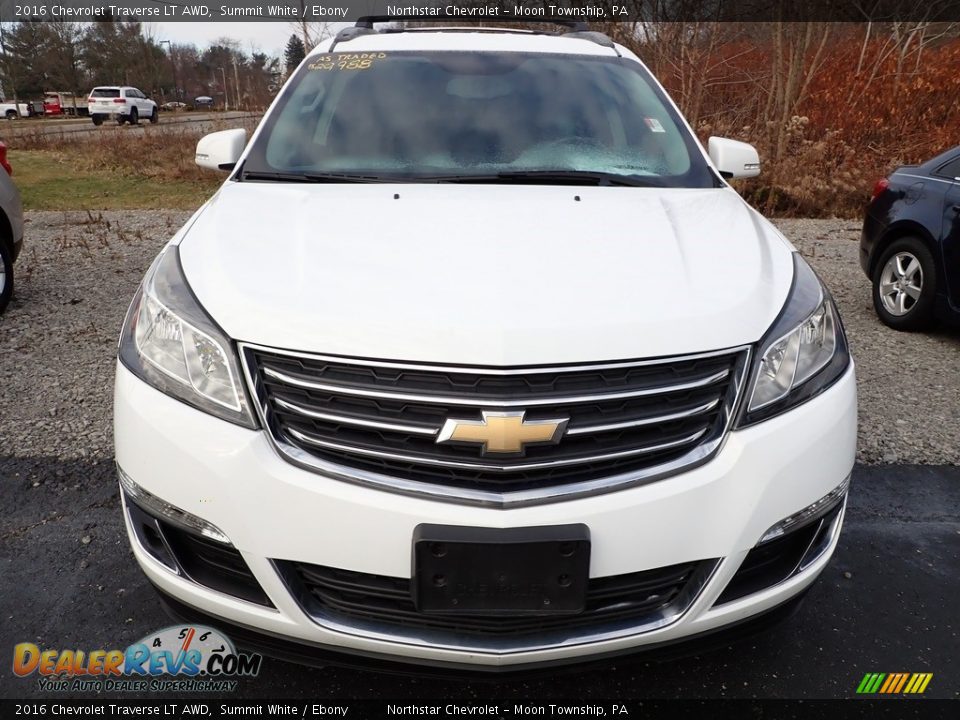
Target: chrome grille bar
point(355, 421)
point(493, 467)
point(493, 402)
point(610, 427)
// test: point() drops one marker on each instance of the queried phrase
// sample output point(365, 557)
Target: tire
point(97, 119)
point(134, 116)
point(6, 275)
point(905, 285)
point(12, 114)
point(155, 117)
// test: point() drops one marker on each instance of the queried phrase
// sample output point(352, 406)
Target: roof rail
point(577, 29)
point(367, 21)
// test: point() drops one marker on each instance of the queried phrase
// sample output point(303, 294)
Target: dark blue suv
point(910, 246)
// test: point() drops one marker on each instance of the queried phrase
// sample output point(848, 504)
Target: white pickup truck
point(11, 111)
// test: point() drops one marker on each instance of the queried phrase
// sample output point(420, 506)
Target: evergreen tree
point(28, 64)
point(294, 53)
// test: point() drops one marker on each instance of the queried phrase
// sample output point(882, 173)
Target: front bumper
point(875, 222)
point(271, 510)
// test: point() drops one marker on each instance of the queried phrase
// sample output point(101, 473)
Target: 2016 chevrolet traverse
point(476, 359)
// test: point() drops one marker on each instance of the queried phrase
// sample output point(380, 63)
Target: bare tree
point(311, 33)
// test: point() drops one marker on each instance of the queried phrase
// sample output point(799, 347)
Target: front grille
point(621, 601)
point(385, 419)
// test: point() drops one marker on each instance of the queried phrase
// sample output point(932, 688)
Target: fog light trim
point(810, 513)
point(169, 512)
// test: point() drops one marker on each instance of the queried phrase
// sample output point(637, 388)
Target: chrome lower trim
point(808, 514)
point(816, 550)
point(177, 571)
point(171, 513)
point(518, 498)
point(482, 498)
point(823, 542)
point(494, 467)
point(549, 640)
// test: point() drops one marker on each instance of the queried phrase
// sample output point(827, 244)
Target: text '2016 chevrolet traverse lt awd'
point(477, 360)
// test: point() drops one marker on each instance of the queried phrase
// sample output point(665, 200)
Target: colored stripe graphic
point(903, 680)
point(870, 683)
point(894, 683)
point(892, 679)
point(918, 683)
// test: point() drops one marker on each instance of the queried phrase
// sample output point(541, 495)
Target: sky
point(268, 37)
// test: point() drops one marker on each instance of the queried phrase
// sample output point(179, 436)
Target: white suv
point(126, 104)
point(476, 359)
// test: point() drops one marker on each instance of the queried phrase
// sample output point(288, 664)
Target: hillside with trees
point(831, 107)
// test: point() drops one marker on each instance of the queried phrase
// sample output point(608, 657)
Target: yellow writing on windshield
point(345, 61)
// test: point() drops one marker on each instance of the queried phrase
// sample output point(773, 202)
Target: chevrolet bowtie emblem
point(502, 432)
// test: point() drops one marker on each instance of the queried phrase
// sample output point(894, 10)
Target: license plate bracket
point(501, 571)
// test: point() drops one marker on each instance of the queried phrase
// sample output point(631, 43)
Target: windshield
point(475, 116)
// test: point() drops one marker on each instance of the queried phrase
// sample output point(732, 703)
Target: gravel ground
point(78, 272)
point(909, 387)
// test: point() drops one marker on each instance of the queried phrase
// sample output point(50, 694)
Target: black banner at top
point(486, 11)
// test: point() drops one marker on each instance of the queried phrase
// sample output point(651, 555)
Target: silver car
point(11, 228)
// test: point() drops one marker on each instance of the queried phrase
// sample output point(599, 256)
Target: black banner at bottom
point(593, 708)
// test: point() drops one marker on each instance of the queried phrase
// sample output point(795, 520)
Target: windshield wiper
point(516, 177)
point(576, 177)
point(309, 177)
point(545, 177)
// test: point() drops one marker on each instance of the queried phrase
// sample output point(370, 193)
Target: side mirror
point(221, 150)
point(734, 159)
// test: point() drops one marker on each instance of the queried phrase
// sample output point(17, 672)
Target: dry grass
point(851, 129)
point(112, 168)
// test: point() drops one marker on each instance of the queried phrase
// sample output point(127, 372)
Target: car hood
point(486, 274)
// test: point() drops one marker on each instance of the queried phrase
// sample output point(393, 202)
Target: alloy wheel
point(901, 283)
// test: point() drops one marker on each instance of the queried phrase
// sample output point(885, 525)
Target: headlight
point(169, 342)
point(803, 353)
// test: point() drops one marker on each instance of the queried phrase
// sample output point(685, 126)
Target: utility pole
point(176, 92)
point(173, 65)
point(226, 95)
point(236, 80)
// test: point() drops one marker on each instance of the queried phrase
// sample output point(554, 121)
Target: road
point(202, 121)
point(887, 603)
